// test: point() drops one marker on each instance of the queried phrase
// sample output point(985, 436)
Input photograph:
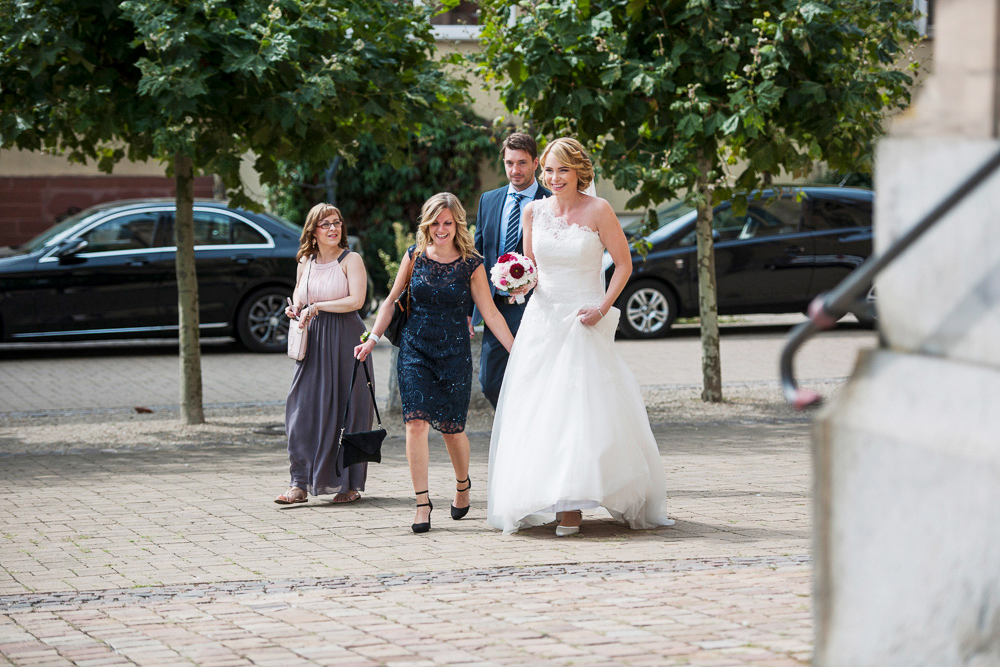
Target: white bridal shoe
point(565, 531)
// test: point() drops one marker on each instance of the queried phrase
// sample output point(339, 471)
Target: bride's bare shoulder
point(599, 206)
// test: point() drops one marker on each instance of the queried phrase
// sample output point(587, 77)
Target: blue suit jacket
point(487, 236)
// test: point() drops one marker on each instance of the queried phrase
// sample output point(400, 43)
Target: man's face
point(520, 168)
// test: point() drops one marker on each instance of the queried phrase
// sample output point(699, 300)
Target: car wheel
point(648, 309)
point(867, 313)
point(261, 323)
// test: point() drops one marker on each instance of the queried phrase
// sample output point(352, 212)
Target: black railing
point(826, 309)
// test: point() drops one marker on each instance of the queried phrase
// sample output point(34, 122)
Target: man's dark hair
point(519, 141)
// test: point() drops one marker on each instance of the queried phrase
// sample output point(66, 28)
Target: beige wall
point(26, 163)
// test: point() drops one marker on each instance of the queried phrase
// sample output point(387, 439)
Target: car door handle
point(242, 259)
point(137, 262)
point(794, 250)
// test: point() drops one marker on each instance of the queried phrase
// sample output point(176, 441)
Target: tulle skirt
point(571, 430)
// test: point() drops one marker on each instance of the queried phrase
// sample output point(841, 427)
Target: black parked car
point(108, 272)
point(773, 259)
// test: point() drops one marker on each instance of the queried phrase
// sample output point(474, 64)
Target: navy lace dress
point(435, 354)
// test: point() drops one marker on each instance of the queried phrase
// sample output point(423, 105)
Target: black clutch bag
point(361, 446)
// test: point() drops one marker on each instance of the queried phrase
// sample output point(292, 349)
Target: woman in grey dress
point(329, 290)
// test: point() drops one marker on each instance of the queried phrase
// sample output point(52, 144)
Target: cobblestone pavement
point(160, 545)
point(129, 375)
point(694, 613)
point(177, 556)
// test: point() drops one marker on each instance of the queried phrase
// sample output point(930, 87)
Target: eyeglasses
point(327, 225)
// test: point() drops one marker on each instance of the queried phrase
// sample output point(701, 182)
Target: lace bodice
point(569, 261)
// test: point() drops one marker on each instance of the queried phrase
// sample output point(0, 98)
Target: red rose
point(506, 257)
point(516, 271)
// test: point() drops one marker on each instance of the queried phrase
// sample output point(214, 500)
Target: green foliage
point(288, 80)
point(652, 86)
point(444, 155)
point(402, 239)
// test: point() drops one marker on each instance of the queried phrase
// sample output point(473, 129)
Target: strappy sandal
point(348, 497)
point(459, 512)
point(290, 497)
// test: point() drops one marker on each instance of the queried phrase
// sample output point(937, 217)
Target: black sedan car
point(108, 272)
point(787, 248)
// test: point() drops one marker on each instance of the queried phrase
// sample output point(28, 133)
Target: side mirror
point(716, 235)
point(70, 248)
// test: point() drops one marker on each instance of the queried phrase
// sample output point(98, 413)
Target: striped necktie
point(513, 224)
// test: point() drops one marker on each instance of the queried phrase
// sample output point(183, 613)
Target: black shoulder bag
point(361, 446)
point(400, 311)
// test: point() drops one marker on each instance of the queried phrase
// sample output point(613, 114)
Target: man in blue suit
point(498, 230)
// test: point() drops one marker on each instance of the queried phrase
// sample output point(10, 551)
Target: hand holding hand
point(362, 351)
point(472, 329)
point(590, 315)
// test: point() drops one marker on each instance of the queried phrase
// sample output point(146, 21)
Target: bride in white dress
point(571, 431)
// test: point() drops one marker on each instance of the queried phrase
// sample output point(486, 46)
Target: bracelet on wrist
point(599, 310)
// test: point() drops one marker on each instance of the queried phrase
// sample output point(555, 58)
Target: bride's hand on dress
point(590, 315)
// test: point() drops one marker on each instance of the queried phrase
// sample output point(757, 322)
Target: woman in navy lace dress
point(435, 353)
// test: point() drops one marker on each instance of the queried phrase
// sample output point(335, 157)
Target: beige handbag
point(297, 336)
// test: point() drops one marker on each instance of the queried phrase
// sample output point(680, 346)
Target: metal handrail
point(827, 308)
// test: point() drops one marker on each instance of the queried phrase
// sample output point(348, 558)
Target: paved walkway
point(178, 556)
point(162, 554)
point(87, 377)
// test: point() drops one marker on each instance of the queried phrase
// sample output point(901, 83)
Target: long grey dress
point(318, 395)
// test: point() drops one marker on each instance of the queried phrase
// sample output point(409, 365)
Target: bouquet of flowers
point(512, 272)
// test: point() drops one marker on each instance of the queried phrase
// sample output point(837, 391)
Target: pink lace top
point(326, 282)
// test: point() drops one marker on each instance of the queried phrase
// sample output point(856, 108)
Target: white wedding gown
point(571, 430)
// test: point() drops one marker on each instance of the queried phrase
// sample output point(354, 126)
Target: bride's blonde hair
point(429, 213)
point(570, 153)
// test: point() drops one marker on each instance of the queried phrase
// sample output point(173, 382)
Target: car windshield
point(43, 239)
point(664, 216)
point(290, 226)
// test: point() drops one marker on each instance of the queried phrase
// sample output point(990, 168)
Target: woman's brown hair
point(308, 247)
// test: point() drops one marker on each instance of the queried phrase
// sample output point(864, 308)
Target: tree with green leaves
point(704, 99)
point(200, 84)
point(444, 154)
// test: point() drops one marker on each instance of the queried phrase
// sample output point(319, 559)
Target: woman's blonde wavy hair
point(431, 210)
point(570, 153)
point(308, 247)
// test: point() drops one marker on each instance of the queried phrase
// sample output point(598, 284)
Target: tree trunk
point(708, 301)
point(192, 411)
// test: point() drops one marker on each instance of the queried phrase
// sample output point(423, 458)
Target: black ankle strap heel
point(425, 526)
point(459, 512)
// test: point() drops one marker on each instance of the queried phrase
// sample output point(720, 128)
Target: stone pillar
point(907, 458)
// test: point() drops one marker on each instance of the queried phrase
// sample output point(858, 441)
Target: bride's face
point(558, 177)
point(443, 230)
